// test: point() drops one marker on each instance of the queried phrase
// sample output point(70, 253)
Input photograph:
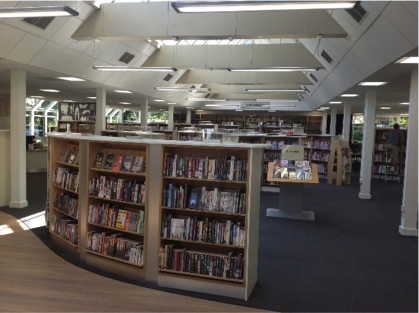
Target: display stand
point(291, 197)
point(341, 154)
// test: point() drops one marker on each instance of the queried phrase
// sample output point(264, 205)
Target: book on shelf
point(120, 221)
point(199, 262)
point(127, 163)
point(290, 169)
point(68, 203)
point(74, 154)
point(109, 161)
point(65, 227)
point(117, 162)
point(138, 164)
point(209, 230)
point(99, 160)
point(117, 189)
point(66, 178)
point(115, 245)
point(203, 199)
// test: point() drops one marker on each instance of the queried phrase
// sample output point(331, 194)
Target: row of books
point(381, 146)
point(205, 230)
point(65, 227)
point(307, 155)
point(67, 203)
point(226, 168)
point(307, 144)
point(70, 155)
point(203, 263)
point(381, 157)
point(116, 246)
point(120, 162)
point(116, 217)
point(279, 144)
point(270, 156)
point(117, 189)
point(289, 169)
point(66, 178)
point(381, 169)
point(191, 137)
point(320, 156)
point(322, 168)
point(320, 144)
point(381, 135)
point(199, 198)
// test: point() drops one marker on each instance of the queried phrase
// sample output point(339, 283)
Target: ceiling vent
point(168, 77)
point(327, 57)
point(193, 87)
point(126, 58)
point(40, 22)
point(314, 77)
point(357, 12)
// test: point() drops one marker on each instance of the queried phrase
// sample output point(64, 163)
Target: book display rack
point(202, 231)
point(340, 156)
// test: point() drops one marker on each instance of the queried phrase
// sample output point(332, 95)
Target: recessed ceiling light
point(124, 102)
point(159, 100)
point(403, 114)
point(348, 95)
point(407, 60)
point(205, 99)
point(49, 90)
point(372, 83)
point(274, 69)
point(123, 91)
point(69, 101)
point(181, 89)
point(91, 97)
point(199, 110)
point(335, 102)
point(275, 90)
point(38, 97)
point(72, 79)
point(385, 108)
point(139, 69)
point(405, 103)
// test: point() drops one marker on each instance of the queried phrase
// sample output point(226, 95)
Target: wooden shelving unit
point(317, 150)
point(340, 156)
point(77, 126)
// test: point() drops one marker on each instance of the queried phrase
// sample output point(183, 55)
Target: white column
point(170, 124)
point(120, 116)
point(17, 138)
point(324, 122)
point(368, 144)
point(409, 208)
point(139, 116)
point(333, 113)
point(188, 116)
point(347, 108)
point(144, 112)
point(100, 110)
point(47, 110)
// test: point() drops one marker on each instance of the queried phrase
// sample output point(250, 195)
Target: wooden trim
point(206, 277)
point(65, 240)
point(201, 211)
point(118, 172)
point(204, 243)
point(54, 208)
point(117, 229)
point(114, 259)
point(117, 201)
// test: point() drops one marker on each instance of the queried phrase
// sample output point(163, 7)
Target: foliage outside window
point(157, 117)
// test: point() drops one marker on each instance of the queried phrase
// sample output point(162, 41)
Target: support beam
point(409, 220)
point(188, 116)
point(170, 125)
point(347, 108)
point(324, 123)
point(17, 138)
point(47, 110)
point(34, 108)
point(333, 114)
point(368, 143)
point(144, 112)
point(120, 116)
point(100, 110)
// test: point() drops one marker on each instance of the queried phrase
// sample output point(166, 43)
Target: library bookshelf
point(154, 210)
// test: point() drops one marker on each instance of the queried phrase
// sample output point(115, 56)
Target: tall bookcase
point(64, 201)
point(317, 150)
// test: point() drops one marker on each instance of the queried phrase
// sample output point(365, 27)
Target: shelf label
point(293, 152)
point(255, 105)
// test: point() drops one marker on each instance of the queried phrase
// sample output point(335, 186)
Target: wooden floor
point(35, 279)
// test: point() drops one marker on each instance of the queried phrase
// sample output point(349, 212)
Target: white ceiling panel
point(125, 79)
point(113, 78)
point(65, 62)
point(8, 4)
point(411, 6)
point(348, 23)
point(108, 53)
point(63, 35)
point(149, 50)
point(144, 46)
point(47, 55)
point(380, 43)
point(9, 38)
point(393, 13)
point(380, 5)
point(82, 46)
point(337, 44)
point(370, 55)
point(122, 49)
point(84, 10)
point(102, 76)
point(83, 62)
point(26, 49)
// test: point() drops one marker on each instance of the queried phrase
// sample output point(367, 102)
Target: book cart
point(291, 197)
point(239, 284)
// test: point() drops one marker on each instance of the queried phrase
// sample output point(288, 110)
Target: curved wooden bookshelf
point(117, 201)
point(206, 212)
point(117, 229)
point(114, 259)
point(54, 208)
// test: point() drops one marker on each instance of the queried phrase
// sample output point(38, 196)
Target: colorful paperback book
point(284, 173)
point(127, 163)
point(109, 162)
point(99, 160)
point(120, 221)
point(284, 163)
point(300, 173)
point(292, 175)
point(308, 176)
point(117, 162)
point(277, 169)
point(194, 198)
point(137, 167)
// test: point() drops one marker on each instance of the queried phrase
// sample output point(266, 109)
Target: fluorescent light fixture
point(159, 100)
point(91, 97)
point(181, 89)
point(199, 110)
point(405, 103)
point(321, 109)
point(324, 108)
point(239, 110)
point(37, 97)
point(271, 111)
point(69, 101)
point(49, 90)
point(236, 6)
point(171, 103)
point(408, 60)
point(275, 90)
point(404, 114)
point(124, 102)
point(123, 91)
point(282, 106)
point(205, 99)
point(274, 69)
point(335, 102)
point(221, 105)
point(275, 100)
point(385, 108)
point(192, 107)
point(372, 83)
point(139, 69)
point(37, 11)
point(349, 95)
point(72, 79)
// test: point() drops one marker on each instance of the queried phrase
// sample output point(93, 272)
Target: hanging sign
point(255, 105)
point(382, 118)
point(293, 152)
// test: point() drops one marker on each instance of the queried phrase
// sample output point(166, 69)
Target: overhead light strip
point(37, 12)
point(181, 89)
point(237, 6)
point(205, 99)
point(275, 90)
point(274, 69)
point(135, 69)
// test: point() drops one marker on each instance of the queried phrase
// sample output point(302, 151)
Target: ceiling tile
point(47, 55)
point(403, 20)
point(9, 38)
point(26, 49)
point(65, 62)
point(109, 52)
point(63, 35)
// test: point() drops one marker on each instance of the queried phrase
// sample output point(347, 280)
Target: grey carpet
point(352, 259)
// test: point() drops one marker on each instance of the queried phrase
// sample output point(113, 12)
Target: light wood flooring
point(35, 279)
